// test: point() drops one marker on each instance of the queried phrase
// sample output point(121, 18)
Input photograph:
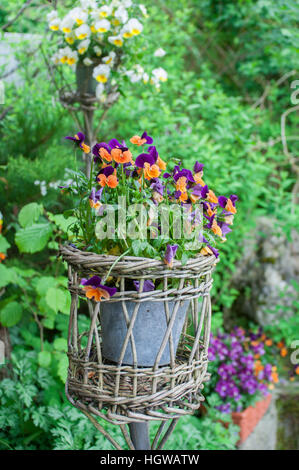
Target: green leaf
point(43, 284)
point(33, 239)
point(58, 300)
point(11, 314)
point(6, 275)
point(4, 245)
point(44, 358)
point(63, 367)
point(60, 344)
point(30, 214)
point(62, 222)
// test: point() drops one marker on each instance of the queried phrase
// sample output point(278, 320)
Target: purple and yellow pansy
point(95, 290)
point(79, 139)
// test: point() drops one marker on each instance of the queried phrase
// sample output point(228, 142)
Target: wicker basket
point(122, 393)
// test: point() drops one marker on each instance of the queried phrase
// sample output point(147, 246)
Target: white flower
point(127, 3)
point(105, 11)
point(159, 52)
point(70, 38)
point(101, 73)
point(72, 58)
point(136, 74)
point(52, 15)
point(116, 40)
point(66, 24)
point(88, 4)
point(54, 24)
point(97, 50)
point(83, 46)
point(64, 54)
point(159, 74)
point(56, 58)
point(87, 61)
point(43, 188)
point(145, 77)
point(82, 32)
point(143, 10)
point(121, 15)
point(132, 28)
point(79, 15)
point(102, 26)
point(100, 90)
point(109, 59)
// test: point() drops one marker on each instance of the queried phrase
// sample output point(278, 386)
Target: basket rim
point(69, 253)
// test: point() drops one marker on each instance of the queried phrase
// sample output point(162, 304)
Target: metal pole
point(139, 433)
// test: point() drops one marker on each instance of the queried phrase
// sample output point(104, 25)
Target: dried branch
point(5, 112)
point(22, 9)
point(261, 100)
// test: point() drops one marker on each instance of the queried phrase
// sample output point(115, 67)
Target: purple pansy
point(148, 138)
point(148, 285)
point(96, 150)
point(170, 254)
point(151, 157)
point(95, 197)
point(198, 167)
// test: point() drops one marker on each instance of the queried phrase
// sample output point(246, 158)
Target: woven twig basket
point(122, 393)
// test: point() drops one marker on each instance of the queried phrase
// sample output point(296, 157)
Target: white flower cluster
point(66, 181)
point(94, 31)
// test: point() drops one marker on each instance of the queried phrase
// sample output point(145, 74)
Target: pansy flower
point(228, 203)
point(213, 225)
point(183, 173)
point(198, 173)
point(209, 250)
point(78, 139)
point(102, 151)
point(144, 139)
point(170, 254)
point(94, 198)
point(158, 190)
point(121, 155)
point(153, 151)
point(181, 196)
point(94, 289)
point(107, 177)
point(147, 161)
point(148, 285)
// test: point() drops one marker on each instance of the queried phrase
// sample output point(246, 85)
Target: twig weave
point(122, 393)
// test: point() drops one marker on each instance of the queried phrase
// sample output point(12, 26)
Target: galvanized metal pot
point(148, 331)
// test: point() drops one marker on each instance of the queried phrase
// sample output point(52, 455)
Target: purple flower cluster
point(233, 356)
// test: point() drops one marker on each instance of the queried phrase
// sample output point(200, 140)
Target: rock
point(264, 275)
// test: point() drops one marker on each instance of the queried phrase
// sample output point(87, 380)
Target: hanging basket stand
point(123, 390)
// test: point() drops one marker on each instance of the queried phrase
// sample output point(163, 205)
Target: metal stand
point(139, 433)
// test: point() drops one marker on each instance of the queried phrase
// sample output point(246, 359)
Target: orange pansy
point(181, 184)
point(112, 181)
point(105, 154)
point(151, 171)
point(161, 164)
point(230, 207)
point(211, 197)
point(137, 140)
point(96, 292)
